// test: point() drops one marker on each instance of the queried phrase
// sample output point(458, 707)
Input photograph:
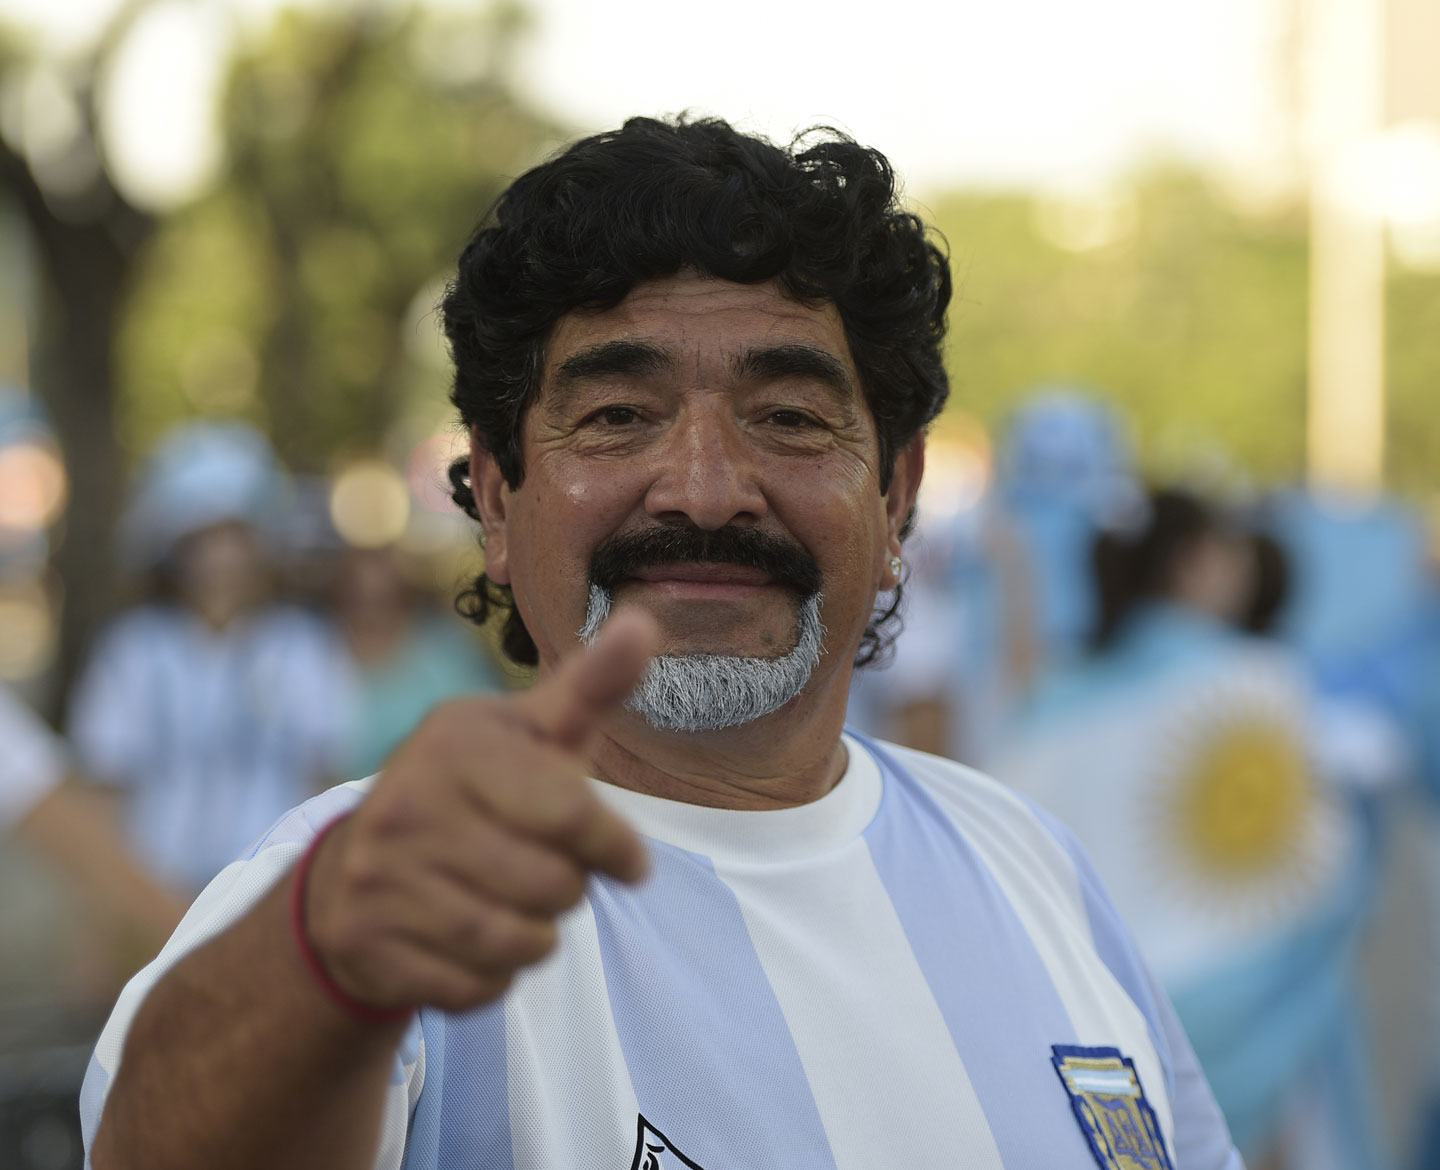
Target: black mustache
point(619, 556)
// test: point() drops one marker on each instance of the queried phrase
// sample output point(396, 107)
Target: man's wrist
point(311, 959)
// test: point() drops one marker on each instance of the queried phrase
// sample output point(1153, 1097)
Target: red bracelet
point(351, 1005)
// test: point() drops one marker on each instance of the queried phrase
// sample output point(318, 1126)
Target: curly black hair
point(655, 197)
point(1133, 566)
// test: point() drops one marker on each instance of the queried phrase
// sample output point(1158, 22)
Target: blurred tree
point(86, 236)
point(362, 149)
point(362, 145)
point(1185, 310)
point(1187, 313)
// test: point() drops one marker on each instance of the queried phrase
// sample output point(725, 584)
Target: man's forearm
point(237, 1060)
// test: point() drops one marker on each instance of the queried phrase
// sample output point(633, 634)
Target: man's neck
point(789, 758)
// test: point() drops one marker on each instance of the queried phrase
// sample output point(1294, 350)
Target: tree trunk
point(86, 263)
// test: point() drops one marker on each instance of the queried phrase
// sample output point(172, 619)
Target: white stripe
point(1048, 901)
point(571, 1100)
point(874, 1045)
point(400, 1102)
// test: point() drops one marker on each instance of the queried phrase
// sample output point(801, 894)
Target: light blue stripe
point(462, 1119)
point(991, 986)
point(708, 1051)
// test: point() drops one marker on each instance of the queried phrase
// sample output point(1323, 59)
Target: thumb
point(592, 681)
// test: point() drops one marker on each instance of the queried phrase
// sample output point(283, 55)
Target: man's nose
point(707, 474)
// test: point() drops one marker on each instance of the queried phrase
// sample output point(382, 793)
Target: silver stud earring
point(895, 567)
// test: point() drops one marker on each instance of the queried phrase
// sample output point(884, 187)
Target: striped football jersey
point(917, 969)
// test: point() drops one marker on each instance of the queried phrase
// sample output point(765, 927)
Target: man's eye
point(616, 416)
point(791, 418)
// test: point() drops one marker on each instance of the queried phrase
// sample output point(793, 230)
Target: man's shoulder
point(1008, 826)
point(245, 880)
point(303, 822)
point(928, 767)
point(953, 781)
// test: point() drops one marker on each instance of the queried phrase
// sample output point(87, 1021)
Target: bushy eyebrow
point(624, 357)
point(619, 357)
point(796, 360)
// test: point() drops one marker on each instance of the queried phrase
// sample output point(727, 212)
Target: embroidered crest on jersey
point(1109, 1102)
point(654, 1151)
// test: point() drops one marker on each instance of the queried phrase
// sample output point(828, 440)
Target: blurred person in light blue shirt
point(407, 655)
point(1184, 753)
point(1001, 591)
point(211, 708)
point(1064, 470)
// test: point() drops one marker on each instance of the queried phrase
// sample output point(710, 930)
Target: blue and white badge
point(1109, 1102)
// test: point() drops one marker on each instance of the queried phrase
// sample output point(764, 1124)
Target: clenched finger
point(495, 862)
point(543, 794)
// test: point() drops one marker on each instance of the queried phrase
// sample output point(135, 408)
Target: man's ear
point(904, 486)
point(492, 495)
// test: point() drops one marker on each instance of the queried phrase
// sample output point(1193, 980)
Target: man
point(696, 369)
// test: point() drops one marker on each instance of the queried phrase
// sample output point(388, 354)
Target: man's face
point(696, 407)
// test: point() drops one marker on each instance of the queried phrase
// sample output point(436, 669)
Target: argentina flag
point(1183, 761)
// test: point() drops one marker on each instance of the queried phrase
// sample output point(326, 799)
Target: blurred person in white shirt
point(43, 807)
point(213, 707)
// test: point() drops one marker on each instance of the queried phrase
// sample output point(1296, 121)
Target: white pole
point(1346, 417)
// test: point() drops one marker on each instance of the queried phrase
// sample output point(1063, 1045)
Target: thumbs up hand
point(478, 834)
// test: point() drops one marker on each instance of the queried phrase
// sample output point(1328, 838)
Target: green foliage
point(1190, 316)
point(1185, 313)
point(362, 151)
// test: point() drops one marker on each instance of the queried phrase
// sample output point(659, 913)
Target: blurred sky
point(1046, 93)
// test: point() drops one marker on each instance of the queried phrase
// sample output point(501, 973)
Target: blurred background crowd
point(1176, 567)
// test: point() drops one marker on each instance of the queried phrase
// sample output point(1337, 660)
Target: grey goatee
point(711, 692)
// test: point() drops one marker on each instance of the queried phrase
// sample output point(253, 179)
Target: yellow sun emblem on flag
point(1239, 824)
point(1244, 798)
